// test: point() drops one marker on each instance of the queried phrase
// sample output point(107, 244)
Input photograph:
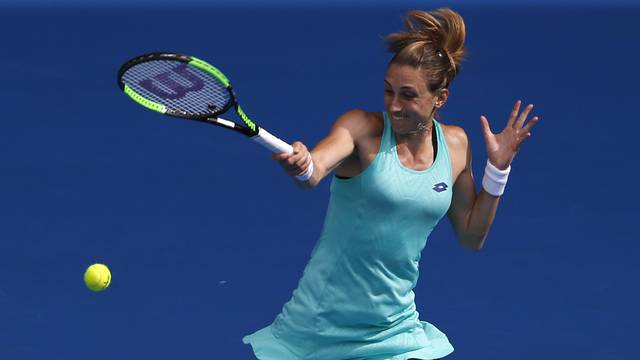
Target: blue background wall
point(89, 176)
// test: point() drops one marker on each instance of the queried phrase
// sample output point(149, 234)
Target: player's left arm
point(471, 213)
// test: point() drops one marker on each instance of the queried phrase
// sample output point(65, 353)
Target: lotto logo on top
point(440, 187)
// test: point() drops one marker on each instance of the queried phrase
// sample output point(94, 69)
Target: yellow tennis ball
point(97, 277)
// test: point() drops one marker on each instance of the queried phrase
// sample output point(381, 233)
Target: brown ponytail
point(433, 41)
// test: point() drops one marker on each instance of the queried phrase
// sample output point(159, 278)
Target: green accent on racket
point(205, 66)
point(250, 124)
point(186, 87)
point(143, 101)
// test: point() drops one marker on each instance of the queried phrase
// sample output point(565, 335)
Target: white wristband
point(495, 180)
point(307, 174)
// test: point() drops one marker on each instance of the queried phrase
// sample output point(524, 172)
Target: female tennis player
point(397, 173)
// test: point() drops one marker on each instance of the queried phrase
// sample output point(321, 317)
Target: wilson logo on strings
point(178, 90)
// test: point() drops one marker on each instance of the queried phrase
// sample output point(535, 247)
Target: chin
point(401, 130)
point(404, 126)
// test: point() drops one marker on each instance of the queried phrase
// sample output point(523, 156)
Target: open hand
point(503, 147)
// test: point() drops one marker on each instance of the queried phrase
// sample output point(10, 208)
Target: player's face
point(407, 99)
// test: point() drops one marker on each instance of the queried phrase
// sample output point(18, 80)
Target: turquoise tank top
point(355, 299)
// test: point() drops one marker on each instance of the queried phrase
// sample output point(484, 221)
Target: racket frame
point(249, 128)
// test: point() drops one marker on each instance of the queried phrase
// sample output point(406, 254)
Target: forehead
point(405, 75)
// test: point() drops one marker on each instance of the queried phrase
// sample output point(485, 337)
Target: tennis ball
point(97, 277)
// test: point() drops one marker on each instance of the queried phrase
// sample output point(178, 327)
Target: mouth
point(399, 118)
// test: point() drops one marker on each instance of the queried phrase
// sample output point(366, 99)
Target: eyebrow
point(405, 87)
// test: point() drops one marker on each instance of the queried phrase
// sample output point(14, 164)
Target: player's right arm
point(339, 144)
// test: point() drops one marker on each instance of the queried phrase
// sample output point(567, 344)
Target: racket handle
point(276, 145)
point(271, 142)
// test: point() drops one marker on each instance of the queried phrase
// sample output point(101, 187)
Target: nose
point(395, 105)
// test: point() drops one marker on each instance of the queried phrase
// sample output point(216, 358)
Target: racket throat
point(231, 125)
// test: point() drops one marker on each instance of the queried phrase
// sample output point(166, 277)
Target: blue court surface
point(207, 237)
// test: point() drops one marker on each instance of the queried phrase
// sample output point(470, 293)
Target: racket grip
point(271, 142)
point(276, 145)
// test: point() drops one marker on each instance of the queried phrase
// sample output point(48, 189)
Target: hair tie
point(440, 52)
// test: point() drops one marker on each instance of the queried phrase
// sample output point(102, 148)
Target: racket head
point(176, 85)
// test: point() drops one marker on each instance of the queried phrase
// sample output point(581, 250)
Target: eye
point(409, 95)
point(388, 91)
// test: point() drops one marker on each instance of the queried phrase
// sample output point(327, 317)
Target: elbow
point(477, 246)
point(473, 242)
point(309, 184)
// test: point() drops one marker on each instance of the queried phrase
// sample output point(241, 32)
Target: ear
point(441, 98)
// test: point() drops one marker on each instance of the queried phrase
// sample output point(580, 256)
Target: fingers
point(529, 125)
point(486, 128)
point(296, 162)
point(514, 113)
point(525, 132)
point(523, 117)
point(280, 156)
point(301, 161)
point(521, 139)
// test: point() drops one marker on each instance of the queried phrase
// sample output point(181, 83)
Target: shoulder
point(456, 137)
point(361, 123)
point(459, 148)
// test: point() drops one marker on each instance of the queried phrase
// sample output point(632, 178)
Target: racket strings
point(177, 86)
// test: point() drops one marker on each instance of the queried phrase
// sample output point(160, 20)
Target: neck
point(422, 132)
point(423, 128)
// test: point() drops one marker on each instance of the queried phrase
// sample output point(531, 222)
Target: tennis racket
point(186, 87)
